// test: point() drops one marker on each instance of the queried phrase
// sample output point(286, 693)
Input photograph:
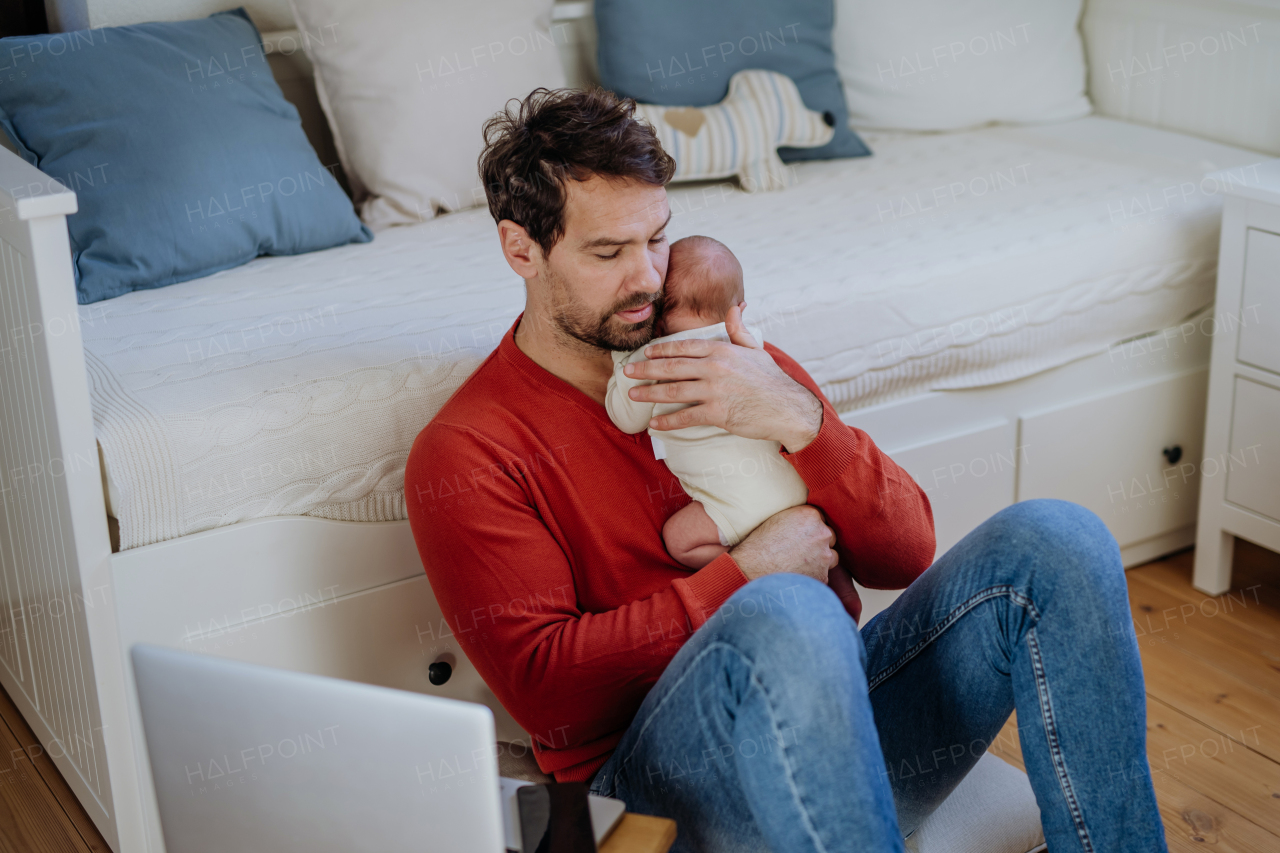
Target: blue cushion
point(683, 52)
point(184, 155)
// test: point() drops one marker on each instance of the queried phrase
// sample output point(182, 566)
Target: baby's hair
point(709, 278)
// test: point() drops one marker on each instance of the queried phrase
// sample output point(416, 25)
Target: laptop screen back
point(247, 758)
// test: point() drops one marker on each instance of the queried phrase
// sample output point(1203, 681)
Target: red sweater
point(540, 526)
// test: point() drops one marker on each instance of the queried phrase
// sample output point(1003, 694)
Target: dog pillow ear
point(740, 135)
point(797, 125)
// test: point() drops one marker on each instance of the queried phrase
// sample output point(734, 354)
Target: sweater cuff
point(825, 459)
point(706, 589)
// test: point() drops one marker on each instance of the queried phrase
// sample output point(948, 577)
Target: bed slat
point(54, 554)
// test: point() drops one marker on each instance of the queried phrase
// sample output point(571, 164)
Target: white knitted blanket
point(297, 385)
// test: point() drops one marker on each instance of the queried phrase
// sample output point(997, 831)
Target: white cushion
point(992, 811)
point(951, 64)
point(407, 85)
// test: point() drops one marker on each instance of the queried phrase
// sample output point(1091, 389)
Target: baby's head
point(704, 280)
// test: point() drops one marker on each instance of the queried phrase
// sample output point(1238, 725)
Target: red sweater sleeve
point(572, 679)
point(881, 517)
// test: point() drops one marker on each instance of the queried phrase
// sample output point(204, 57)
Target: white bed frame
point(351, 600)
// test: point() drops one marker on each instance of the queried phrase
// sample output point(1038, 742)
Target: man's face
point(604, 278)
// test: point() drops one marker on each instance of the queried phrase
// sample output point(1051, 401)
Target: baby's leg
point(692, 538)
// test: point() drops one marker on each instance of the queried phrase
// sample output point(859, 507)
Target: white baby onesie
point(739, 481)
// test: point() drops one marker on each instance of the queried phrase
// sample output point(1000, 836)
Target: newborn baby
point(736, 483)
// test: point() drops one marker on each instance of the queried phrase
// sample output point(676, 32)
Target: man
point(741, 699)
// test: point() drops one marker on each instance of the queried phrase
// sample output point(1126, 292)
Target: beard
point(603, 331)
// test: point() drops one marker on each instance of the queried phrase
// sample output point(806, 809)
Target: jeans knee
point(787, 616)
point(1066, 538)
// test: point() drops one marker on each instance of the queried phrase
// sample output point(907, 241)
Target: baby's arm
point(692, 538)
point(628, 415)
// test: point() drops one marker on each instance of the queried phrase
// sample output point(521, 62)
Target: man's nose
point(645, 277)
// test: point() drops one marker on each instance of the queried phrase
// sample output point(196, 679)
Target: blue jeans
point(780, 726)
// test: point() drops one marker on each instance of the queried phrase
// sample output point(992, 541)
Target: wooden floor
point(38, 812)
point(1213, 720)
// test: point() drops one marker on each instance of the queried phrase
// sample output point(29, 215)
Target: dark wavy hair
point(533, 149)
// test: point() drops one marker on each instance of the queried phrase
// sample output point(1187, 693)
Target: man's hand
point(796, 540)
point(736, 386)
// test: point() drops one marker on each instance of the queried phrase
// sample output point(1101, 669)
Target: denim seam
point(953, 617)
point(1054, 742)
point(786, 762)
point(670, 692)
point(772, 719)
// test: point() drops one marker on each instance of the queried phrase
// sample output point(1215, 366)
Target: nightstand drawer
point(1260, 302)
point(1253, 467)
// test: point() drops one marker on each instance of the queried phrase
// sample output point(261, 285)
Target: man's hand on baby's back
point(735, 386)
point(796, 540)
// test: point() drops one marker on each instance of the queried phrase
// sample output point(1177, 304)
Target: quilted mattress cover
point(296, 385)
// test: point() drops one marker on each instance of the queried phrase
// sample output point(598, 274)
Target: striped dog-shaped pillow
point(741, 134)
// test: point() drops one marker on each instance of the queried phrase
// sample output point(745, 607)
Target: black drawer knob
point(1173, 454)
point(438, 673)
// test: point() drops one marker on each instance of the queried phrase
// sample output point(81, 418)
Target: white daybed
point(254, 423)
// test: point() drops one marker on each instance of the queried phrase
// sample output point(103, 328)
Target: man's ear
point(522, 253)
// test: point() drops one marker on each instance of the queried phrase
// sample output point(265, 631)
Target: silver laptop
point(249, 758)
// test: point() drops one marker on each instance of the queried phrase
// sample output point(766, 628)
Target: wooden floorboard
point(1161, 618)
point(1221, 701)
point(1252, 604)
point(1212, 670)
point(1230, 774)
point(34, 756)
point(1192, 821)
point(31, 817)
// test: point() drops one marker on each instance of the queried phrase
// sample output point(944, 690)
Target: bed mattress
point(297, 385)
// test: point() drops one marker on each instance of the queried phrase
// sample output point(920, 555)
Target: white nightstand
point(1240, 472)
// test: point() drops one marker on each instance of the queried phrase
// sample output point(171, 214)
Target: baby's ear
point(738, 332)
